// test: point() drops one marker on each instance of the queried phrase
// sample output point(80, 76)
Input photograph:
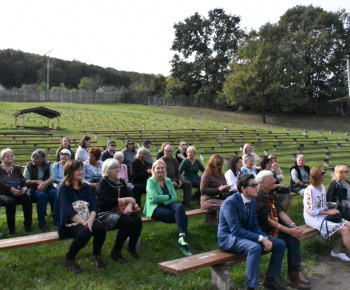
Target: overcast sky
point(130, 35)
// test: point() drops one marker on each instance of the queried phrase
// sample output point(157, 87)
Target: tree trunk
point(263, 117)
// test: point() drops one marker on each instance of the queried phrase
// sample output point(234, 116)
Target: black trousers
point(129, 226)
point(10, 203)
point(82, 235)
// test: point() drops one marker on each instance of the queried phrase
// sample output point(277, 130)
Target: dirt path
point(330, 274)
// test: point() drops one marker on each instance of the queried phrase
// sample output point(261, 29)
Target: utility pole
point(48, 69)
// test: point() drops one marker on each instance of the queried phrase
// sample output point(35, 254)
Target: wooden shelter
point(44, 114)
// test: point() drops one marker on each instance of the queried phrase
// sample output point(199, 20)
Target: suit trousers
point(253, 250)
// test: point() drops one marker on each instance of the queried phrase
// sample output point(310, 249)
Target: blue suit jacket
point(233, 222)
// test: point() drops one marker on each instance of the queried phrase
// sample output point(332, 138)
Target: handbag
point(120, 208)
point(82, 209)
point(335, 218)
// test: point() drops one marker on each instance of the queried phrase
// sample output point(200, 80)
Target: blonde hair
point(154, 167)
point(338, 170)
point(193, 149)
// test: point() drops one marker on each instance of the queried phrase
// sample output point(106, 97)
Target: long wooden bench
point(53, 236)
point(219, 262)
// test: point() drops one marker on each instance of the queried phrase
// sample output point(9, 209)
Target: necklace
point(8, 170)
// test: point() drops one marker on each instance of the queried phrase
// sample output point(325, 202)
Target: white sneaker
point(340, 256)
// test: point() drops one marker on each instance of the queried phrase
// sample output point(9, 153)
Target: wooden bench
point(219, 262)
point(53, 236)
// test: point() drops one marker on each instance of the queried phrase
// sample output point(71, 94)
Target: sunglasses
point(112, 145)
point(253, 185)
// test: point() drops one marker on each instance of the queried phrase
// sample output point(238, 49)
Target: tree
point(204, 47)
point(291, 63)
point(87, 83)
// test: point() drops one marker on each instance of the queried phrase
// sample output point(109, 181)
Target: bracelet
point(293, 224)
point(278, 226)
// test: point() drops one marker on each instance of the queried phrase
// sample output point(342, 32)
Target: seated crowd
point(92, 192)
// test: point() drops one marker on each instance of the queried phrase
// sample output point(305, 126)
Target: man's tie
point(247, 206)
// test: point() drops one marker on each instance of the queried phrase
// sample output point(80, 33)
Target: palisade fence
point(122, 96)
point(321, 107)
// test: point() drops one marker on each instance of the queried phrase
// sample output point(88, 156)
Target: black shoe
point(270, 283)
point(27, 229)
point(99, 263)
point(134, 254)
point(73, 266)
point(117, 257)
point(44, 228)
point(11, 232)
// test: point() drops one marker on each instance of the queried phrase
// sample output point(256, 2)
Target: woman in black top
point(111, 192)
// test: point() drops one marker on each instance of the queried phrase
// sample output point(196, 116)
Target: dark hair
point(243, 180)
point(83, 141)
point(127, 148)
point(68, 172)
point(96, 152)
point(146, 142)
point(264, 162)
point(232, 164)
point(61, 147)
point(316, 175)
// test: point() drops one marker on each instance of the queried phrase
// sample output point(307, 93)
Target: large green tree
point(293, 62)
point(204, 47)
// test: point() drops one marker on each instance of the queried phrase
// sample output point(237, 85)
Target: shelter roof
point(40, 111)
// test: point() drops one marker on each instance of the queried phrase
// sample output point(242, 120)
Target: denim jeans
point(42, 198)
point(172, 213)
point(253, 250)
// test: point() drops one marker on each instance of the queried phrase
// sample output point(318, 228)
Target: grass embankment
point(42, 266)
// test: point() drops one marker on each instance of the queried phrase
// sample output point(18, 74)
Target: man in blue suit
point(239, 232)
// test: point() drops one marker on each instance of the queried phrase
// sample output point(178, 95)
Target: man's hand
point(267, 244)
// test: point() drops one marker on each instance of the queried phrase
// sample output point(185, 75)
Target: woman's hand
point(296, 233)
point(332, 211)
point(24, 190)
point(223, 187)
point(128, 209)
point(15, 191)
point(89, 223)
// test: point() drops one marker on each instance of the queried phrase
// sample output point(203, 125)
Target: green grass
point(42, 266)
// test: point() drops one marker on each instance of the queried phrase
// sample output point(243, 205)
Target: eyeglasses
point(253, 185)
point(184, 144)
point(345, 172)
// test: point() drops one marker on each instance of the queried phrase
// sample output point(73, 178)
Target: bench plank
point(216, 257)
point(187, 264)
point(28, 240)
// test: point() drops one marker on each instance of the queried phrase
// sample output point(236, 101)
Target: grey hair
point(301, 156)
point(109, 164)
point(262, 175)
point(39, 154)
point(120, 155)
point(171, 146)
point(4, 151)
point(142, 152)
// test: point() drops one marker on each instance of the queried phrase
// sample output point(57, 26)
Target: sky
point(129, 35)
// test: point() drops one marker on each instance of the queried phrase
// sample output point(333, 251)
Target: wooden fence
point(122, 96)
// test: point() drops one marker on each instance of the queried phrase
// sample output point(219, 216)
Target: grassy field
point(42, 266)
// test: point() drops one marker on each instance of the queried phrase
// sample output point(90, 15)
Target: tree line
point(288, 64)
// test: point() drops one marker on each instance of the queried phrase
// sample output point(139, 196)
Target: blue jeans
point(42, 198)
point(253, 250)
point(196, 183)
point(172, 213)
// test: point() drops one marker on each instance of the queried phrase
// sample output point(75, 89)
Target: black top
point(106, 155)
point(139, 172)
point(107, 193)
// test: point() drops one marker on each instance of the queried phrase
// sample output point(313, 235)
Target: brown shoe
point(297, 284)
point(73, 266)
